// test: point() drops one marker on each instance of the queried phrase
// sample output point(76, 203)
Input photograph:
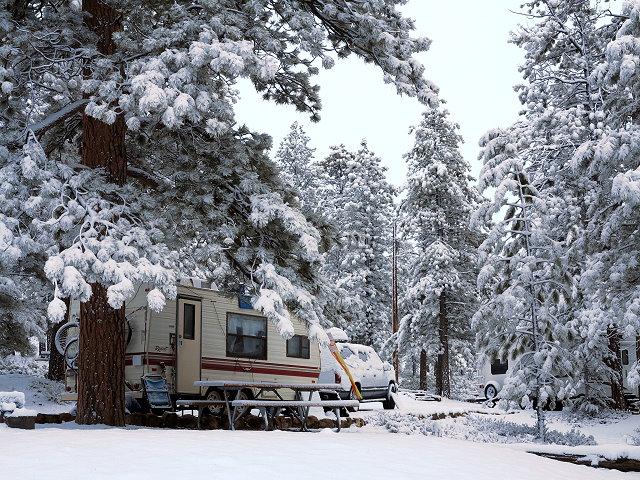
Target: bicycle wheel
point(65, 334)
point(71, 353)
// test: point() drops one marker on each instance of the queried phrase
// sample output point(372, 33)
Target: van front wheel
point(353, 396)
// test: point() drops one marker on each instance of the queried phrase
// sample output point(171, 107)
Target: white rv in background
point(494, 371)
point(208, 335)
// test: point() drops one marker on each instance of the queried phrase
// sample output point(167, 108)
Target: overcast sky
point(469, 59)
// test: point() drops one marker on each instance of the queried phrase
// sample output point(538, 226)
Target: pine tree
point(439, 286)
point(610, 279)
point(523, 278)
point(295, 160)
point(134, 169)
point(359, 201)
point(564, 44)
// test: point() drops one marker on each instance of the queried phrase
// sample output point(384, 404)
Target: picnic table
point(269, 408)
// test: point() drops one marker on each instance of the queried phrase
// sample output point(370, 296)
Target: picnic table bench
point(200, 404)
point(300, 408)
point(273, 407)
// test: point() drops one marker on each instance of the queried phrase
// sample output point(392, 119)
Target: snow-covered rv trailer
point(208, 335)
point(493, 371)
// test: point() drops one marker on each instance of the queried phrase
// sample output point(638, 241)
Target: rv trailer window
point(498, 367)
point(246, 336)
point(189, 332)
point(298, 346)
point(625, 357)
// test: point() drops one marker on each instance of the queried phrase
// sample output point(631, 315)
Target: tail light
point(481, 387)
point(337, 378)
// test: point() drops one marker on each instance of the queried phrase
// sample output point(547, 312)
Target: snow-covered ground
point(69, 451)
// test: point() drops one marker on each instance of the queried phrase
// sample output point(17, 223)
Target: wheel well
point(248, 392)
point(213, 389)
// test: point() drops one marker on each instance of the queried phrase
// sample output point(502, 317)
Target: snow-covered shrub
point(19, 365)
point(407, 423)
point(464, 374)
point(502, 431)
point(16, 399)
point(475, 428)
point(46, 390)
point(634, 439)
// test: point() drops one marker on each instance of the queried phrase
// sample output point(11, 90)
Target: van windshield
point(346, 352)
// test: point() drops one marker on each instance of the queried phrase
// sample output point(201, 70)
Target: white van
point(374, 378)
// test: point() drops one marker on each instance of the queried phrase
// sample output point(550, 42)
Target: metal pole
point(394, 296)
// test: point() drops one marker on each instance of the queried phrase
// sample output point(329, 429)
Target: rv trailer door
point(188, 345)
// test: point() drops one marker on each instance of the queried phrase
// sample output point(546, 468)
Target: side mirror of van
point(387, 367)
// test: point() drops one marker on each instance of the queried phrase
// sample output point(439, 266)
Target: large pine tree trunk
point(424, 369)
point(101, 362)
point(617, 389)
point(101, 359)
point(443, 382)
point(638, 357)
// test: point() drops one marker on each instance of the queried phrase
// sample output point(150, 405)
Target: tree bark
point(424, 369)
point(617, 389)
point(101, 359)
point(443, 382)
point(101, 362)
point(56, 359)
point(638, 358)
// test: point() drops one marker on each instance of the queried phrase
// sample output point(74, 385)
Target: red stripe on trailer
point(255, 368)
point(230, 361)
point(150, 354)
point(232, 365)
point(235, 362)
point(168, 362)
point(255, 362)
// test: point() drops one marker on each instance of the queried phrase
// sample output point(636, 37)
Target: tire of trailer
point(214, 394)
point(244, 395)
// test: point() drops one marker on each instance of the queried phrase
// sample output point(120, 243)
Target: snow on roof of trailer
point(338, 334)
point(197, 283)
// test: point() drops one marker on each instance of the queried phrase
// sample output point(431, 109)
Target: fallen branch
point(621, 464)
